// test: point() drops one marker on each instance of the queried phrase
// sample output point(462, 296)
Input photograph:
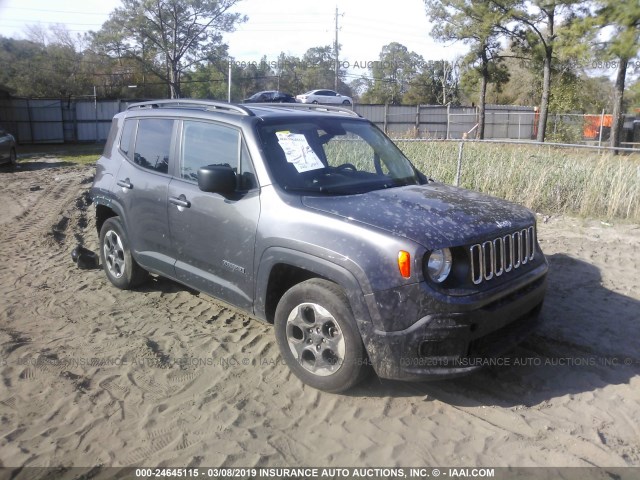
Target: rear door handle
point(180, 201)
point(125, 183)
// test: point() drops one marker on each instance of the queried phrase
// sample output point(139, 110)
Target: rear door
point(213, 236)
point(142, 189)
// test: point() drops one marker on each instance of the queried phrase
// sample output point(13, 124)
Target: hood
point(434, 215)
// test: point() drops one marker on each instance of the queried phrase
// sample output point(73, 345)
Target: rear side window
point(153, 144)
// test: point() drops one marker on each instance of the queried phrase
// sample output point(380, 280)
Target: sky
point(274, 26)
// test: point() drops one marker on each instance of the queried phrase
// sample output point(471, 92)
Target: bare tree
point(168, 37)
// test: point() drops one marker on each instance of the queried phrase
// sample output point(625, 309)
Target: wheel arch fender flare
point(104, 199)
point(317, 267)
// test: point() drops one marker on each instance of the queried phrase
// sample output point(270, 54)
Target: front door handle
point(125, 183)
point(180, 201)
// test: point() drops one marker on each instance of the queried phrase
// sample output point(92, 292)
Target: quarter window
point(127, 135)
point(247, 177)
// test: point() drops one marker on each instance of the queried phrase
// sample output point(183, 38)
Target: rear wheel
point(318, 337)
point(346, 102)
point(115, 255)
point(13, 157)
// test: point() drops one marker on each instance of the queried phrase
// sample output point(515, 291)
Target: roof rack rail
point(211, 105)
point(308, 106)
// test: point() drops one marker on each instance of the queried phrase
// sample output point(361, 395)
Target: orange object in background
point(592, 125)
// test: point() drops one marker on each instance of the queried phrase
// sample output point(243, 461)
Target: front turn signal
point(404, 263)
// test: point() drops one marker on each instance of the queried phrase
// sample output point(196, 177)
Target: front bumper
point(455, 341)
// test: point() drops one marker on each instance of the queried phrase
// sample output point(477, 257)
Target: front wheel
point(13, 157)
point(318, 337)
point(115, 255)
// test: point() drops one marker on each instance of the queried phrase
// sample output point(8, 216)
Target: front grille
point(501, 255)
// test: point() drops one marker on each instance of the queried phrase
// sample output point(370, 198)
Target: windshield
point(334, 156)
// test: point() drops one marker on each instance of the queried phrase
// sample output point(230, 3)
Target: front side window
point(153, 144)
point(334, 156)
point(206, 143)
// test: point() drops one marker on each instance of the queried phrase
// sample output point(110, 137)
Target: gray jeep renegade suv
point(310, 218)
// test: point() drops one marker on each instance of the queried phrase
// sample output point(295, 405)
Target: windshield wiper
point(324, 190)
point(306, 189)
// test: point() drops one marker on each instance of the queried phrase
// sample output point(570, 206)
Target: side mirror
point(217, 179)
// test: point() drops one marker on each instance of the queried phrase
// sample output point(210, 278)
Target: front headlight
point(439, 265)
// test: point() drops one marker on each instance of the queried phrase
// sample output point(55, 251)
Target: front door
point(213, 236)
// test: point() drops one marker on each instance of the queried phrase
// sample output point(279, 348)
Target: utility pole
point(229, 86)
point(336, 48)
point(444, 81)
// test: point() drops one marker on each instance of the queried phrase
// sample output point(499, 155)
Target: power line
point(74, 12)
point(23, 20)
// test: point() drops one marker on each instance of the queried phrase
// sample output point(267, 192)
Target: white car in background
point(324, 96)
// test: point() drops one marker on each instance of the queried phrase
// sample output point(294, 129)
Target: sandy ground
point(164, 376)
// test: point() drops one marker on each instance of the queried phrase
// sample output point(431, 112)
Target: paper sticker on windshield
point(299, 152)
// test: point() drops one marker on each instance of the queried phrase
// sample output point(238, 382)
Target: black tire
point(118, 263)
point(13, 158)
point(315, 102)
point(314, 320)
point(346, 102)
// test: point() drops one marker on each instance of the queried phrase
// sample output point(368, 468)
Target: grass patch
point(77, 154)
point(80, 159)
point(544, 178)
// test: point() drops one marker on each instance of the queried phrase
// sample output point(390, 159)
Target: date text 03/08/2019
point(369, 473)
